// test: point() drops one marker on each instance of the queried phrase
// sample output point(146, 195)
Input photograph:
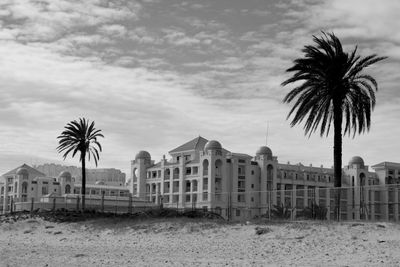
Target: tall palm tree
point(333, 87)
point(79, 136)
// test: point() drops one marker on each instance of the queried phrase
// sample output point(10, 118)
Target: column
point(5, 202)
point(305, 196)
point(317, 195)
point(357, 202)
point(396, 204)
point(328, 204)
point(294, 201)
point(385, 203)
point(372, 192)
point(171, 185)
point(157, 193)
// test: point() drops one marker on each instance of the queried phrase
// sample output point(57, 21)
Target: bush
point(315, 212)
point(281, 211)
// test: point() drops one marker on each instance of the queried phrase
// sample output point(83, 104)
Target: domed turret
point(212, 145)
point(22, 171)
point(65, 174)
point(142, 155)
point(356, 160)
point(264, 150)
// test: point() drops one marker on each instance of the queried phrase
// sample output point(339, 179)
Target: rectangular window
point(188, 198)
point(188, 171)
point(241, 198)
point(44, 190)
point(187, 186)
point(195, 170)
point(237, 213)
point(205, 184)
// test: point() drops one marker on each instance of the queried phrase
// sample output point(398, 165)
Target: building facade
point(202, 174)
point(26, 184)
point(105, 176)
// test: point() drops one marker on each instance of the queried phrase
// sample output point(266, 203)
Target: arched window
point(205, 167)
point(176, 173)
point(67, 189)
point(218, 168)
point(24, 189)
point(167, 174)
point(362, 179)
point(270, 172)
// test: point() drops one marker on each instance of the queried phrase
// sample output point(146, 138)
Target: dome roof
point(264, 150)
point(65, 174)
point(22, 171)
point(143, 155)
point(356, 160)
point(212, 145)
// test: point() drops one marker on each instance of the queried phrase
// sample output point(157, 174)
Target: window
point(44, 190)
point(252, 199)
point(67, 189)
point(188, 171)
point(187, 198)
point(241, 198)
point(187, 186)
point(252, 185)
point(205, 184)
point(241, 185)
point(24, 188)
point(237, 213)
point(252, 172)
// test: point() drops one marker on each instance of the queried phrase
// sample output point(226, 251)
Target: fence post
point(130, 204)
point(32, 204)
point(77, 203)
point(54, 204)
point(116, 203)
point(102, 201)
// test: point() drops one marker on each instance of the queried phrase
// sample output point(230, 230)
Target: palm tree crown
point(333, 85)
point(334, 88)
point(80, 136)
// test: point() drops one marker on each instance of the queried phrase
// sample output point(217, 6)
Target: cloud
point(114, 30)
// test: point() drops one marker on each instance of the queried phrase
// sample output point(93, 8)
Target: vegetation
point(281, 211)
point(80, 136)
point(315, 212)
point(332, 88)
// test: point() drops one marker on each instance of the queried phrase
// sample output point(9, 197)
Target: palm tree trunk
point(337, 154)
point(83, 181)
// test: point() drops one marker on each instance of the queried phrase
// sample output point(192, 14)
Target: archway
point(67, 189)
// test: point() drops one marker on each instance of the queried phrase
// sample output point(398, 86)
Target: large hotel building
point(202, 174)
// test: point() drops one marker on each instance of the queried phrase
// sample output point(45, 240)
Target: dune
point(197, 242)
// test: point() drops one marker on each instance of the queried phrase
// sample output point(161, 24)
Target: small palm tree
point(81, 137)
point(334, 88)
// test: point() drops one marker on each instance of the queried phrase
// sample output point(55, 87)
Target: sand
point(191, 242)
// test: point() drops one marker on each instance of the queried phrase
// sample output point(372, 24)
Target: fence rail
point(356, 203)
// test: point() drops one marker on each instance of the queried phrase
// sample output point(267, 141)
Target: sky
point(154, 74)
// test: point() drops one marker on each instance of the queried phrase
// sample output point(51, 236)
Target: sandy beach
point(185, 242)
